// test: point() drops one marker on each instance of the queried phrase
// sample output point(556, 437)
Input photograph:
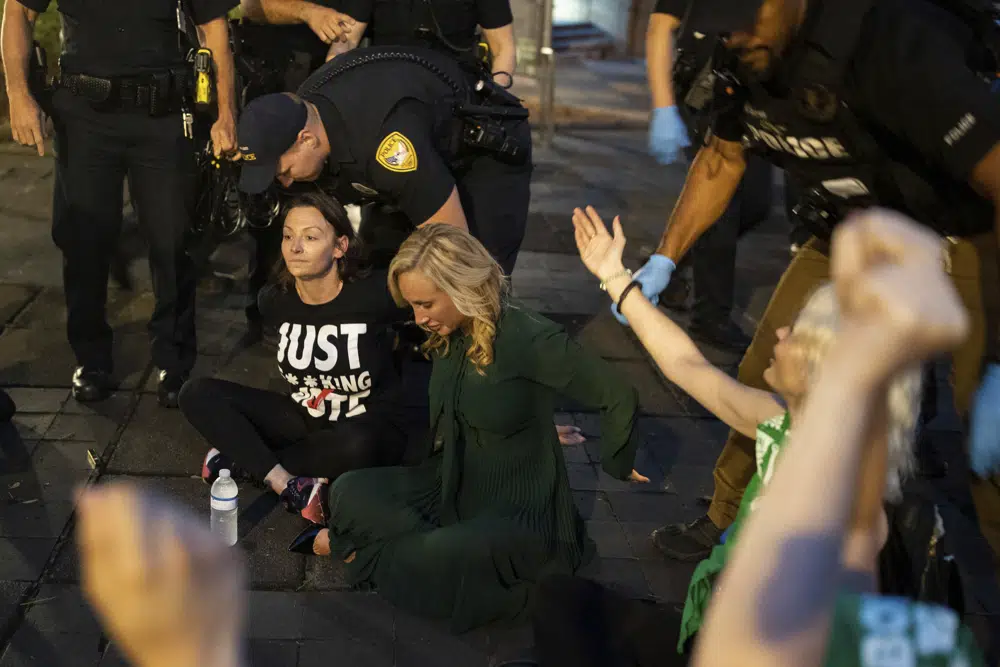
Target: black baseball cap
point(718, 16)
point(268, 127)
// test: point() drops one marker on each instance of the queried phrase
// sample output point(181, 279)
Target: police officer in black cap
point(407, 127)
point(281, 43)
point(121, 109)
point(861, 102)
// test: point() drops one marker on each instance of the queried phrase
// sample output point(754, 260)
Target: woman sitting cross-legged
point(335, 351)
point(466, 535)
point(579, 623)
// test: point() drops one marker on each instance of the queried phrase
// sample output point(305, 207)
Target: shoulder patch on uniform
point(396, 153)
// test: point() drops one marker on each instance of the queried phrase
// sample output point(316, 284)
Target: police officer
point(117, 112)
point(713, 262)
point(407, 127)
point(448, 26)
point(873, 102)
point(286, 41)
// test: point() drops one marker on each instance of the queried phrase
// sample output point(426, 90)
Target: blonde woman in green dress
point(465, 536)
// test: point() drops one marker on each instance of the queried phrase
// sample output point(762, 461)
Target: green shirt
point(770, 438)
point(879, 631)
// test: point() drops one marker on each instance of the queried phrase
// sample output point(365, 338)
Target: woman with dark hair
point(335, 351)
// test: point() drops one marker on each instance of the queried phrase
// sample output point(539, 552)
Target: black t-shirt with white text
point(337, 357)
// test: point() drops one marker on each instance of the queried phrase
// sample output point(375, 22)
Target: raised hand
point(169, 592)
point(600, 251)
point(890, 279)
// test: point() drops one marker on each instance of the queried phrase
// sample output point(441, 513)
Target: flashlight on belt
point(203, 89)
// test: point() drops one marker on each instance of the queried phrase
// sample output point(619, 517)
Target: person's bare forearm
point(215, 35)
point(503, 50)
point(16, 36)
point(278, 12)
point(660, 58)
point(789, 553)
point(711, 183)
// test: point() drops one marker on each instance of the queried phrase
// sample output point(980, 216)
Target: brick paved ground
point(300, 612)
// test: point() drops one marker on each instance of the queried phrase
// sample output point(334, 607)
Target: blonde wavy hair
point(815, 330)
point(461, 267)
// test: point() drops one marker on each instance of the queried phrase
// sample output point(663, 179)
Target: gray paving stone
point(593, 505)
point(115, 408)
point(691, 482)
point(366, 616)
point(11, 593)
point(127, 312)
point(651, 507)
point(582, 476)
point(638, 535)
point(33, 426)
point(42, 358)
point(325, 574)
point(668, 580)
point(29, 648)
point(158, 441)
point(275, 615)
point(683, 440)
point(22, 559)
point(63, 609)
point(46, 485)
point(65, 454)
point(610, 539)
point(621, 574)
point(31, 399)
point(114, 658)
point(422, 643)
point(575, 454)
point(269, 653)
point(13, 299)
point(345, 650)
point(39, 520)
point(604, 335)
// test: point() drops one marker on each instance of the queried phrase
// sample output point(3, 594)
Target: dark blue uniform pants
point(495, 197)
point(95, 151)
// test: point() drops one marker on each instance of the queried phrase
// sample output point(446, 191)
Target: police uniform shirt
point(396, 22)
point(124, 37)
point(910, 89)
point(398, 161)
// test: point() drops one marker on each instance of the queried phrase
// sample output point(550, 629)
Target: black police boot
point(725, 334)
point(687, 542)
point(91, 385)
point(169, 388)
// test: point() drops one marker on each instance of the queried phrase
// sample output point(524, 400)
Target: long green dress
point(466, 535)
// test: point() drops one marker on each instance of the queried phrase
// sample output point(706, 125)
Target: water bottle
point(224, 508)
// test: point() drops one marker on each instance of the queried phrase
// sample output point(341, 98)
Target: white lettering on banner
point(935, 629)
point(888, 651)
point(806, 148)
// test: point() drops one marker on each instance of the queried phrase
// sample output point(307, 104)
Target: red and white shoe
point(315, 509)
point(213, 463)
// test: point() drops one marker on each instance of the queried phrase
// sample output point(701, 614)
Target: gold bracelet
point(626, 273)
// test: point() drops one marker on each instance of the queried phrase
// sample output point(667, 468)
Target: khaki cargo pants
point(973, 267)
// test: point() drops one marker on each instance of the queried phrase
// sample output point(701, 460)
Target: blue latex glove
point(667, 135)
point(725, 535)
point(654, 277)
point(984, 438)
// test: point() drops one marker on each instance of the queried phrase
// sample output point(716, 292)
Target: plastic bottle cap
point(224, 473)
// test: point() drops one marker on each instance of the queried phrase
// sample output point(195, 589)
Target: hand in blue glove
point(654, 277)
point(984, 438)
point(667, 135)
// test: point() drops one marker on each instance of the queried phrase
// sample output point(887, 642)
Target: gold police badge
point(396, 153)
